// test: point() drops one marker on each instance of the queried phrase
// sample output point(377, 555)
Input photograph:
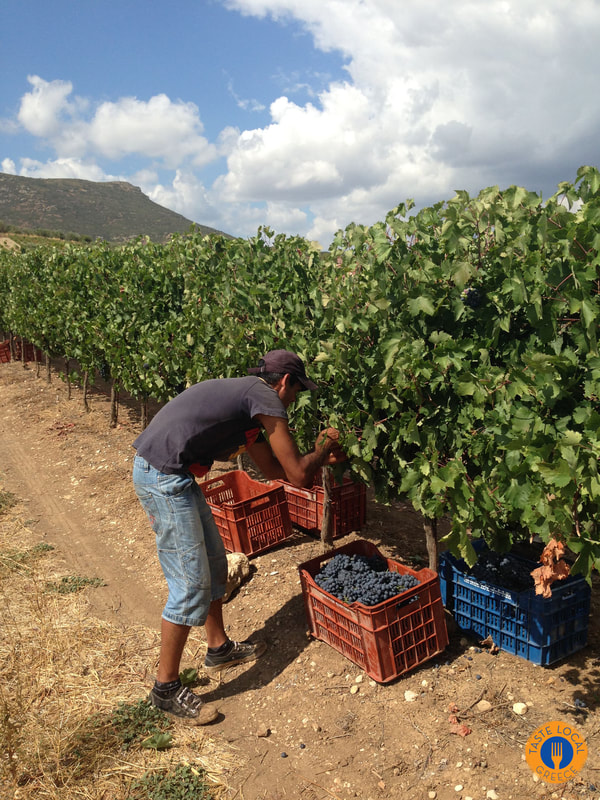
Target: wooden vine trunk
point(430, 526)
point(114, 405)
point(144, 412)
point(85, 384)
point(68, 378)
point(327, 521)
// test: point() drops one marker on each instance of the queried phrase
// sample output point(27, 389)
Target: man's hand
point(328, 439)
point(280, 458)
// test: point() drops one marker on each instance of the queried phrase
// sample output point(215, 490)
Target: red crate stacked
point(385, 640)
point(348, 506)
point(251, 516)
point(29, 349)
point(5, 352)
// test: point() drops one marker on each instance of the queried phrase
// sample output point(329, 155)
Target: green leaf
point(518, 493)
point(572, 438)
point(557, 476)
point(466, 388)
point(421, 304)
point(159, 741)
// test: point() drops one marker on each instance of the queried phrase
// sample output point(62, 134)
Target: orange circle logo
point(556, 751)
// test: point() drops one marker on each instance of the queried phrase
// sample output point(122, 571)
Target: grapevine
point(455, 348)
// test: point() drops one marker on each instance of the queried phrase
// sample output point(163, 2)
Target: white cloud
point(186, 195)
point(157, 128)
point(9, 166)
point(43, 109)
point(64, 168)
point(246, 104)
point(439, 97)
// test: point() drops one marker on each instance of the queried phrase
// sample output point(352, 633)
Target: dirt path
point(307, 723)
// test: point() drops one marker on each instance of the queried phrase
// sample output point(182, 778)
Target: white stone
point(458, 787)
point(520, 708)
point(491, 795)
point(432, 795)
point(410, 696)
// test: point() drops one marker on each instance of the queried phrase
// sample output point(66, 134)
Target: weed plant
point(12, 559)
point(7, 501)
point(183, 783)
point(69, 584)
point(139, 722)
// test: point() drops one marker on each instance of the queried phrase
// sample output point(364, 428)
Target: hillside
point(115, 211)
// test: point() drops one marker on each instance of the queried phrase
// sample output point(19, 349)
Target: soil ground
point(306, 722)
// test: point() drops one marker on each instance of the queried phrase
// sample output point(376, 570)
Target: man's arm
point(280, 457)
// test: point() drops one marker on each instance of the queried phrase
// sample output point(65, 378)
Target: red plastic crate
point(30, 352)
point(251, 516)
point(29, 349)
point(4, 353)
point(386, 640)
point(348, 506)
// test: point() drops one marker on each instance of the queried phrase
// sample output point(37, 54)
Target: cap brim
point(307, 383)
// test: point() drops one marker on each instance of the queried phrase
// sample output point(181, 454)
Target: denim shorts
point(190, 548)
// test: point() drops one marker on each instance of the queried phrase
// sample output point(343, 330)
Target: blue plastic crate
point(541, 630)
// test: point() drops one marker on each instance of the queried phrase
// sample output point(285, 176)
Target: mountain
point(115, 210)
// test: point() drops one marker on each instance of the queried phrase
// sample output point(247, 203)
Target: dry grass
point(63, 674)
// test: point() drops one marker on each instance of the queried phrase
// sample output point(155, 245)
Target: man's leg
point(172, 641)
point(222, 652)
point(214, 626)
point(179, 538)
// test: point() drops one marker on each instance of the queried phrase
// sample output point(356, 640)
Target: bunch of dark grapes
point(362, 579)
point(471, 297)
point(503, 571)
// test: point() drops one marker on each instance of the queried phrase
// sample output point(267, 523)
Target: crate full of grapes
point(381, 615)
point(496, 598)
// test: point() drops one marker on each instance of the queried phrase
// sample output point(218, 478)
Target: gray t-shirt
point(211, 421)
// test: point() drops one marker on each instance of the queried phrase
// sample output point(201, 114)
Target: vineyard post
point(144, 411)
point(327, 521)
point(84, 386)
point(114, 405)
point(68, 377)
point(430, 526)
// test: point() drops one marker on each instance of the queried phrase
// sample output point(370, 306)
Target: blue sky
point(303, 115)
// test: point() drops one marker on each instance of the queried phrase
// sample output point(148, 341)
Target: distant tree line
point(6, 227)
